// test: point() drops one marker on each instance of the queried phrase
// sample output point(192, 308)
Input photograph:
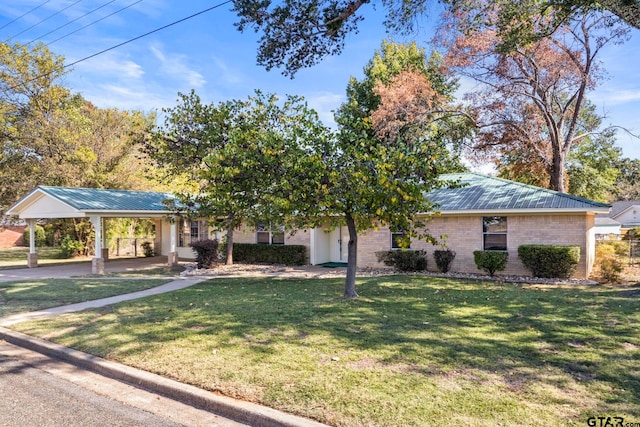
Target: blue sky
point(208, 54)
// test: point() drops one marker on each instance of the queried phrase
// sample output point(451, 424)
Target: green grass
point(411, 351)
point(16, 257)
point(31, 295)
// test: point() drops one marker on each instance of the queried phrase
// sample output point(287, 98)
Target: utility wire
point(92, 23)
point(70, 22)
point(24, 14)
point(123, 43)
point(46, 19)
point(146, 34)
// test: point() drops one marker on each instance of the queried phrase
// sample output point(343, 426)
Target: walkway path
point(174, 285)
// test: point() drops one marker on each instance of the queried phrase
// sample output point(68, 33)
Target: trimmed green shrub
point(206, 252)
point(70, 247)
point(444, 258)
point(404, 260)
point(40, 236)
point(147, 248)
point(270, 254)
point(491, 261)
point(550, 260)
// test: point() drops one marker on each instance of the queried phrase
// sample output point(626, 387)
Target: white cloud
point(113, 66)
point(325, 103)
point(176, 66)
point(225, 73)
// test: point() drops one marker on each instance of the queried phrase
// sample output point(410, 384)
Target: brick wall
point(11, 236)
point(464, 235)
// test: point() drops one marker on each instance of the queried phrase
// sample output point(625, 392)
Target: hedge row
point(404, 260)
point(270, 254)
point(550, 260)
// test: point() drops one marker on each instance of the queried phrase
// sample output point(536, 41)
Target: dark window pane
point(263, 237)
point(397, 240)
point(277, 238)
point(495, 242)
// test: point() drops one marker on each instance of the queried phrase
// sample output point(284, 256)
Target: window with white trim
point(494, 233)
point(397, 239)
point(269, 234)
point(192, 232)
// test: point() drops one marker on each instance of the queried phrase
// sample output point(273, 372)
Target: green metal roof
point(481, 192)
point(93, 199)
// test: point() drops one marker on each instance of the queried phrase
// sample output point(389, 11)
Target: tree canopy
point(49, 136)
point(296, 33)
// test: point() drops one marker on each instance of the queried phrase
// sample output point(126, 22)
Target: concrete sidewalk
point(244, 412)
point(61, 271)
point(179, 283)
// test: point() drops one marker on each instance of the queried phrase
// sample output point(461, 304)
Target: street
point(38, 391)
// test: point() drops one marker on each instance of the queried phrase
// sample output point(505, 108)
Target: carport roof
point(59, 202)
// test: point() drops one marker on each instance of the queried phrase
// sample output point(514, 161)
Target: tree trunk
point(230, 227)
point(352, 259)
point(557, 179)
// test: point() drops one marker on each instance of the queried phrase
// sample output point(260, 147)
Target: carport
point(46, 202)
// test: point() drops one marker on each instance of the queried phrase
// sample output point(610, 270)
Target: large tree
point(50, 136)
point(382, 166)
point(299, 33)
point(530, 101)
point(246, 158)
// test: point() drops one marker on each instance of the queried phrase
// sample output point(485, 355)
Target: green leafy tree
point(592, 167)
point(627, 186)
point(297, 33)
point(374, 178)
point(242, 155)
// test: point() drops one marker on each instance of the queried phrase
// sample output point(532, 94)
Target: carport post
point(32, 258)
point(172, 257)
point(97, 264)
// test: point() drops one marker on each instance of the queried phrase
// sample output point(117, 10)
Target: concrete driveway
point(61, 271)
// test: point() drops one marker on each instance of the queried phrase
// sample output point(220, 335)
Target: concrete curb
point(244, 412)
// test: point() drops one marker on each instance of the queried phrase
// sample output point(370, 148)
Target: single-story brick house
point(484, 213)
point(11, 233)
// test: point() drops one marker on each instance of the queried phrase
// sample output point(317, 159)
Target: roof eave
point(536, 211)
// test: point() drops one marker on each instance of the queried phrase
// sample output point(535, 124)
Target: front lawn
point(411, 351)
point(16, 257)
point(31, 295)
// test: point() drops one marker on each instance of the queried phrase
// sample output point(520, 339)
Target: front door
point(343, 244)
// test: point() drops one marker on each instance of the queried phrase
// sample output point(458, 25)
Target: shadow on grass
point(428, 325)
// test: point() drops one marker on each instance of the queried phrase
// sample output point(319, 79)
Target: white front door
point(343, 244)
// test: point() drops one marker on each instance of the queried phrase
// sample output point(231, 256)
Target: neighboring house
point(625, 213)
point(11, 232)
point(607, 228)
point(485, 213)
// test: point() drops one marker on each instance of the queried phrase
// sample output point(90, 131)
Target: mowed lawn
point(411, 351)
point(30, 295)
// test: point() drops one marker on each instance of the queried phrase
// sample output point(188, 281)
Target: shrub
point(206, 252)
point(404, 260)
point(70, 247)
point(270, 254)
point(610, 269)
point(444, 258)
point(40, 236)
point(550, 260)
point(491, 261)
point(147, 248)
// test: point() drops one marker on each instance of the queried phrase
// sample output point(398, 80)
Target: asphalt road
point(38, 391)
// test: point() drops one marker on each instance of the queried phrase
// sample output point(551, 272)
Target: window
point(399, 239)
point(193, 231)
point(269, 234)
point(494, 231)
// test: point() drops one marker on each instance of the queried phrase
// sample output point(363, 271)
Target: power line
point(147, 34)
point(123, 43)
point(24, 14)
point(46, 19)
point(70, 22)
point(94, 22)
